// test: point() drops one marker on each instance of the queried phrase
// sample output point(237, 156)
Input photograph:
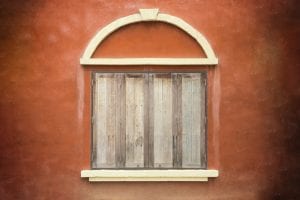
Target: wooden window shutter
point(149, 120)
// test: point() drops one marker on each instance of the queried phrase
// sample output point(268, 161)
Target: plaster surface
point(253, 105)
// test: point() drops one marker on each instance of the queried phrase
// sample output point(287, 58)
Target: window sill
point(149, 175)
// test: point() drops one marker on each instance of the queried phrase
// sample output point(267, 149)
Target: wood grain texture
point(135, 120)
point(163, 138)
point(120, 121)
point(146, 121)
point(203, 121)
point(94, 125)
point(149, 120)
point(192, 107)
point(105, 120)
point(177, 120)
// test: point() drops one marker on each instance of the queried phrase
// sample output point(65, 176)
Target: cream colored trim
point(149, 175)
point(148, 15)
point(148, 61)
point(160, 179)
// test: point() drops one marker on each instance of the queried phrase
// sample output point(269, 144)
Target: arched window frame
point(145, 15)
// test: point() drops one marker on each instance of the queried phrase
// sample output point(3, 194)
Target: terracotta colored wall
point(254, 96)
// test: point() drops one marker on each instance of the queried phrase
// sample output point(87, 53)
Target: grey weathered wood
point(105, 120)
point(111, 120)
point(100, 120)
point(179, 120)
point(176, 121)
point(146, 122)
point(192, 107)
point(163, 145)
point(203, 139)
point(134, 120)
point(123, 121)
point(151, 121)
point(120, 120)
point(94, 125)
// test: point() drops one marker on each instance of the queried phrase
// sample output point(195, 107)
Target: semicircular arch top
point(142, 16)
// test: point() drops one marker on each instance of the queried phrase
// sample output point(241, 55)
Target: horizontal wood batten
point(149, 61)
point(149, 175)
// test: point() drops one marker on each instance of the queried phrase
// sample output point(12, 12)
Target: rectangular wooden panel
point(193, 118)
point(176, 121)
point(151, 121)
point(120, 138)
point(104, 122)
point(135, 120)
point(203, 121)
point(146, 123)
point(162, 111)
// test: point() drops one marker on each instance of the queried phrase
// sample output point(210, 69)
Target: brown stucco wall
point(253, 105)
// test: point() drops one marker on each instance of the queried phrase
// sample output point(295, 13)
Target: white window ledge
point(149, 175)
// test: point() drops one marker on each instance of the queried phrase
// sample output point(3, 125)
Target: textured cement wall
point(253, 95)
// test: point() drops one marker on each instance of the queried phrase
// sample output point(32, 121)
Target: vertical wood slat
point(176, 121)
point(151, 120)
point(111, 119)
point(105, 120)
point(179, 120)
point(146, 122)
point(163, 145)
point(94, 127)
point(192, 107)
point(123, 122)
point(135, 120)
point(100, 126)
point(120, 121)
point(203, 121)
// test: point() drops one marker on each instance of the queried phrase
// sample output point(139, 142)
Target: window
point(149, 121)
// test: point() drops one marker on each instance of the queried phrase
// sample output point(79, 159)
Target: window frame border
point(203, 72)
point(86, 60)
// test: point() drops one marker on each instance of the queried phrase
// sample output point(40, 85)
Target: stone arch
point(143, 16)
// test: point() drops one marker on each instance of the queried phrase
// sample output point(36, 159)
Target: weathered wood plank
point(123, 121)
point(134, 120)
point(94, 125)
point(120, 120)
point(151, 121)
point(203, 121)
point(192, 106)
point(179, 120)
point(196, 119)
point(104, 121)
point(176, 121)
point(100, 121)
point(146, 122)
point(163, 145)
point(111, 119)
